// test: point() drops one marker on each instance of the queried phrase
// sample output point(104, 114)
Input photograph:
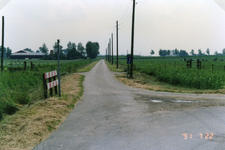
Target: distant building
point(26, 55)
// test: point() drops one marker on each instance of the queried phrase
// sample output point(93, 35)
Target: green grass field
point(175, 72)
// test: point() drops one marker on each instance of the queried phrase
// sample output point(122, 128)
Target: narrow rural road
point(112, 117)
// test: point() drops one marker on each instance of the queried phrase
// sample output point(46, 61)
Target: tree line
point(72, 51)
point(7, 52)
point(181, 52)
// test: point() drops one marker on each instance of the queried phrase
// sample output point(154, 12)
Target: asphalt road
point(110, 117)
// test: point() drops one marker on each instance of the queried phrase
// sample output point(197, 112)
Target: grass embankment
point(172, 76)
point(35, 121)
point(18, 88)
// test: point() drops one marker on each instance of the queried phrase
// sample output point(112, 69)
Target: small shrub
point(10, 108)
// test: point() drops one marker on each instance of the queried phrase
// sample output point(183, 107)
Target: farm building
point(26, 54)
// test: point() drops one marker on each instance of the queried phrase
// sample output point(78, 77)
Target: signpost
point(129, 62)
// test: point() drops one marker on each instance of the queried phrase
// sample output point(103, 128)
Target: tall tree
point(80, 48)
point(70, 46)
point(176, 51)
point(168, 52)
point(152, 52)
point(73, 54)
point(55, 51)
point(216, 53)
point(192, 52)
point(207, 51)
point(183, 53)
point(44, 49)
point(29, 50)
point(224, 51)
point(8, 52)
point(199, 51)
point(92, 49)
point(160, 52)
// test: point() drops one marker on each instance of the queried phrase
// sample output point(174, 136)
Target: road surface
point(112, 117)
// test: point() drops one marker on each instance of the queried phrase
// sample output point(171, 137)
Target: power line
point(143, 1)
point(126, 12)
point(112, 19)
point(124, 25)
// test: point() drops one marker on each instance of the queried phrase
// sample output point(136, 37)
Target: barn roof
point(26, 53)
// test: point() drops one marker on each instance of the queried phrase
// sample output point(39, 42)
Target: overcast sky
point(165, 24)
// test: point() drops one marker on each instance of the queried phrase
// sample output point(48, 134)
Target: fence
point(18, 65)
point(50, 84)
point(190, 63)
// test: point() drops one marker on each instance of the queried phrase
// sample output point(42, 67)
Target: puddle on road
point(173, 101)
point(156, 101)
point(180, 101)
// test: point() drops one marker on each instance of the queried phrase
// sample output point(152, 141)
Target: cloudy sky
point(165, 24)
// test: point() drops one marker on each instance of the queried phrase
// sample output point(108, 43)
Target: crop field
point(19, 86)
point(174, 70)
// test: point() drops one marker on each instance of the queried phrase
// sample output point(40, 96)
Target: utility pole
point(117, 43)
point(132, 41)
point(109, 50)
point(3, 23)
point(112, 48)
point(58, 41)
point(106, 54)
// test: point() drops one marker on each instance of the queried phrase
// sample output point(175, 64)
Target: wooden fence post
point(55, 87)
point(51, 91)
point(212, 68)
point(31, 65)
point(25, 65)
point(45, 87)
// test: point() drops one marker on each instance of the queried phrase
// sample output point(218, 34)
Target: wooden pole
point(117, 50)
point(132, 40)
point(58, 41)
point(45, 87)
point(112, 48)
point(3, 20)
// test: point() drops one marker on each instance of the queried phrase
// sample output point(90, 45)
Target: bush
point(10, 108)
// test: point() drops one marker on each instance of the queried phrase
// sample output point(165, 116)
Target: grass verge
point(88, 67)
point(113, 67)
point(34, 123)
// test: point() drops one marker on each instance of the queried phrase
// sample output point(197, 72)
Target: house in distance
point(22, 54)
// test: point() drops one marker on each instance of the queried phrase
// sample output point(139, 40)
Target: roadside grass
point(144, 81)
point(88, 67)
point(35, 122)
point(113, 68)
point(18, 88)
